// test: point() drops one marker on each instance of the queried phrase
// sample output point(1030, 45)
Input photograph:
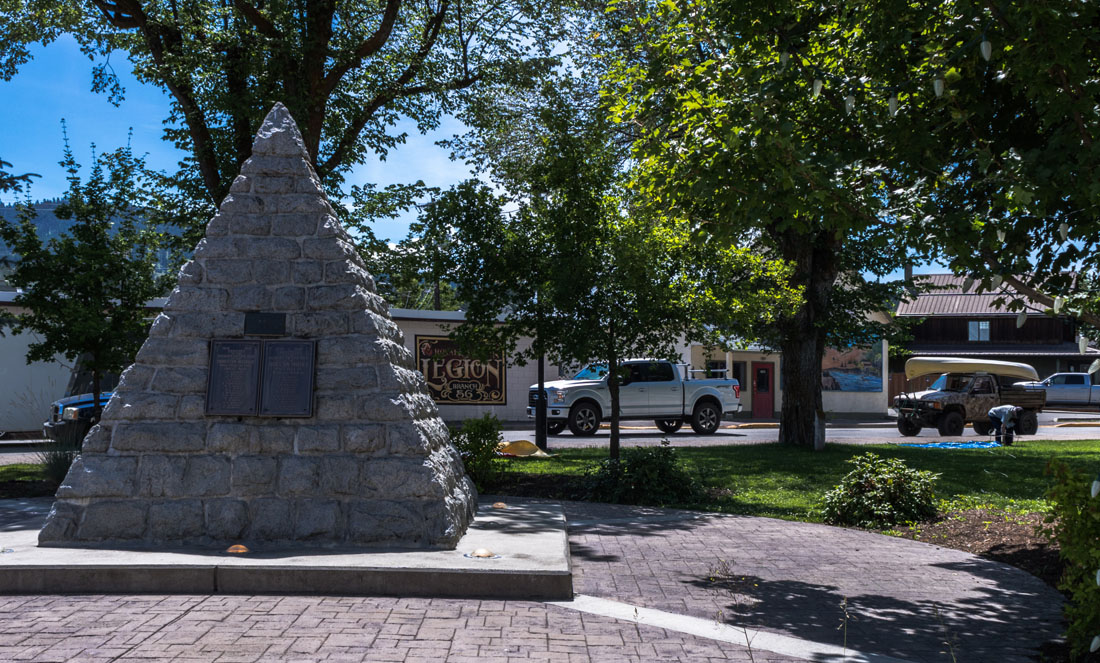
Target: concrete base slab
point(528, 540)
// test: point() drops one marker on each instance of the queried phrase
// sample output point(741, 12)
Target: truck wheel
point(705, 418)
point(584, 419)
point(669, 426)
point(555, 427)
point(908, 427)
point(1029, 423)
point(982, 428)
point(951, 424)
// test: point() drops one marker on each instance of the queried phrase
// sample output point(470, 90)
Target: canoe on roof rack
point(918, 366)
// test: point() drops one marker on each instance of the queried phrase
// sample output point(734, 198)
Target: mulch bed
point(17, 489)
point(1010, 538)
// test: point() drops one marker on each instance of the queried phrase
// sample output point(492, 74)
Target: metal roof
point(947, 298)
point(1001, 350)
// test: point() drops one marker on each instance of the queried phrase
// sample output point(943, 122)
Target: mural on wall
point(456, 379)
point(852, 369)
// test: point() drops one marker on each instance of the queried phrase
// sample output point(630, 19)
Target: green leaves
point(86, 291)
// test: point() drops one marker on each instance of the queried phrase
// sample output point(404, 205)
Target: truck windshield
point(951, 382)
point(591, 372)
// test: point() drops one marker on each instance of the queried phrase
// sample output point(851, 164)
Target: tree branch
point(257, 19)
point(116, 16)
point(1037, 296)
point(394, 91)
point(128, 14)
point(365, 49)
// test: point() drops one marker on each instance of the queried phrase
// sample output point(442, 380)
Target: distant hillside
point(49, 226)
point(48, 223)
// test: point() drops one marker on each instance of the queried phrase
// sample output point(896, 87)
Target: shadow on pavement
point(1008, 620)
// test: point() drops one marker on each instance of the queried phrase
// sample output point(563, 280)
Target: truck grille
point(531, 397)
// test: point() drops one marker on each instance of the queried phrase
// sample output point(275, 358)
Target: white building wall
point(26, 390)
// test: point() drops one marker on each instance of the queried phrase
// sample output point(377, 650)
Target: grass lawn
point(24, 480)
point(781, 482)
point(21, 472)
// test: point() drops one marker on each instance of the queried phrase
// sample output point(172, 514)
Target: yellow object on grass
point(522, 449)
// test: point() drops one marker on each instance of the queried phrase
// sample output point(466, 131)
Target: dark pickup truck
point(73, 416)
point(964, 393)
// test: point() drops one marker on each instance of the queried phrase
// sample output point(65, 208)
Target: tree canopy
point(85, 292)
point(746, 126)
point(579, 266)
point(348, 71)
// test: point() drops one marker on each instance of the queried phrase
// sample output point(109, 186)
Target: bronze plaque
point(456, 379)
point(234, 377)
point(286, 389)
point(264, 324)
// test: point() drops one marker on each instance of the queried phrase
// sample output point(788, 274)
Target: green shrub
point(645, 475)
point(879, 493)
point(477, 443)
point(1074, 522)
point(56, 458)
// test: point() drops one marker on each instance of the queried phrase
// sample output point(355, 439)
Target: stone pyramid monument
point(274, 401)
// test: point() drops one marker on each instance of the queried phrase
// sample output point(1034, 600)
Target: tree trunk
point(802, 421)
point(613, 387)
point(540, 406)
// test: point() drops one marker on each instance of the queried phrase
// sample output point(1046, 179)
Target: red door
point(763, 391)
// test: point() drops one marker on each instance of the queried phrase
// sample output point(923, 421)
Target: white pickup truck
point(651, 389)
point(1073, 389)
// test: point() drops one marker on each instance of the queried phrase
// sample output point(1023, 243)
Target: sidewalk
point(651, 585)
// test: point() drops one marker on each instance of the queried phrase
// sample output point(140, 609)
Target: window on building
point(739, 372)
point(978, 330)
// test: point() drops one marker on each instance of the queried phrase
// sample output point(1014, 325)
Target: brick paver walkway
point(901, 598)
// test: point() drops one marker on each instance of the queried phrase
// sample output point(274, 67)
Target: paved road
point(638, 433)
point(652, 585)
point(642, 433)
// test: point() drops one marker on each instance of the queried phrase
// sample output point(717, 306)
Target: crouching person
point(1004, 419)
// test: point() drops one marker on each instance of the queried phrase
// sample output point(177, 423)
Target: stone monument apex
point(274, 401)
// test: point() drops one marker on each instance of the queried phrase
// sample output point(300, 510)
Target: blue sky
point(56, 85)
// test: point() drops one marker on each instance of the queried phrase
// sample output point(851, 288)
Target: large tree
point(1002, 98)
point(752, 121)
point(579, 266)
point(348, 71)
point(85, 292)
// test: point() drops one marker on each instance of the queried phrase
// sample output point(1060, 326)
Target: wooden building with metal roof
point(959, 321)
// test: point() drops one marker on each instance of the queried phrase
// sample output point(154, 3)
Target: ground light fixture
point(500, 505)
point(482, 553)
point(237, 549)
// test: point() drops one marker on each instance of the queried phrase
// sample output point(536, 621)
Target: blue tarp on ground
point(954, 445)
